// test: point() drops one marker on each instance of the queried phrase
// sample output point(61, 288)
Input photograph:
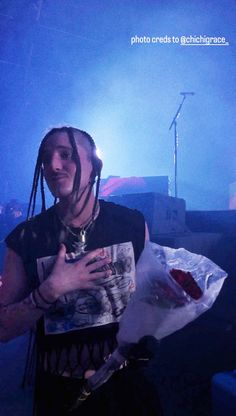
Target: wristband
point(43, 298)
point(34, 302)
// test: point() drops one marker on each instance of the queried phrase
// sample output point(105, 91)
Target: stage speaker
point(164, 214)
point(212, 221)
point(199, 243)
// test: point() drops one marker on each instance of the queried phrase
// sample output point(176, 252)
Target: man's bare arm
point(17, 312)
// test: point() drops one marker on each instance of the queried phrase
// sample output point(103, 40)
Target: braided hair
point(39, 173)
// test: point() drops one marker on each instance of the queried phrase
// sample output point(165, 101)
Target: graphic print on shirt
point(87, 308)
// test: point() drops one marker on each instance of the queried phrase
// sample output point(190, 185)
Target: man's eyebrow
point(60, 147)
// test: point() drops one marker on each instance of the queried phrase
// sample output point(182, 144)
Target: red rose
point(187, 282)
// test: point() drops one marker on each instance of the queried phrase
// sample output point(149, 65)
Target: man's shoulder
point(38, 222)
point(118, 211)
point(121, 224)
point(46, 215)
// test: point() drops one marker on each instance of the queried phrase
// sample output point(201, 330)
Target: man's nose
point(56, 162)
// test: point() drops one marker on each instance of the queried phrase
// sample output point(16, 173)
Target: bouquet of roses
point(174, 287)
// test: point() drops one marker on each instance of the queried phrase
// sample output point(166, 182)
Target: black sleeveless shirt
point(79, 331)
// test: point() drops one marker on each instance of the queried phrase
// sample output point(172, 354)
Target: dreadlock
point(39, 175)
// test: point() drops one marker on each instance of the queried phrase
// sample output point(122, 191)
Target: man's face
point(59, 166)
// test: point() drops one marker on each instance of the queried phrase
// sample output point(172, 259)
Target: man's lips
point(55, 178)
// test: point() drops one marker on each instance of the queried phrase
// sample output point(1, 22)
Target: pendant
point(82, 236)
point(79, 246)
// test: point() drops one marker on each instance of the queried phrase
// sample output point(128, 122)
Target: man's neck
point(73, 213)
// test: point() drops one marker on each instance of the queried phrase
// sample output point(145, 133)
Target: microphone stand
point(174, 123)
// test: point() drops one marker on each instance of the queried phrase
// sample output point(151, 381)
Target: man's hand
point(82, 274)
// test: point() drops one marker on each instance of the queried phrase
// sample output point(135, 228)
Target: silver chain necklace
point(79, 245)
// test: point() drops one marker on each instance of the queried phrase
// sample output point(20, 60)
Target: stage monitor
point(115, 185)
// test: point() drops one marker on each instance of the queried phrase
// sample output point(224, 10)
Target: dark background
point(72, 62)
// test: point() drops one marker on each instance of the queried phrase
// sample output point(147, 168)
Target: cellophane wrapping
point(160, 305)
point(174, 287)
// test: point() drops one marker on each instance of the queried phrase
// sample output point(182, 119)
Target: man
point(71, 270)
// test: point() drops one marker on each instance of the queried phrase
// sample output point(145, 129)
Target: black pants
point(129, 392)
